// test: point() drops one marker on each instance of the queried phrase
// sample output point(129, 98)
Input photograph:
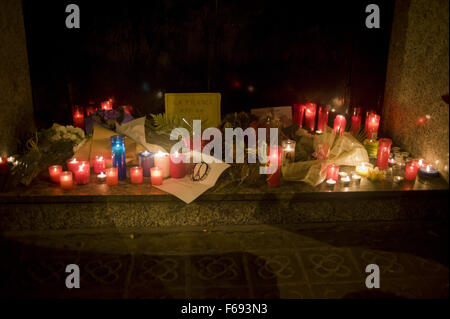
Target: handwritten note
point(195, 106)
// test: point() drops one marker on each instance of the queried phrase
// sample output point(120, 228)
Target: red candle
point(4, 168)
point(418, 163)
point(82, 173)
point(368, 113)
point(90, 109)
point(54, 172)
point(332, 172)
point(299, 111)
point(177, 166)
point(275, 151)
point(107, 105)
point(99, 164)
point(411, 171)
point(112, 176)
point(384, 149)
point(136, 175)
point(357, 111)
point(156, 177)
point(310, 116)
point(373, 123)
point(72, 164)
point(127, 109)
point(339, 124)
point(356, 123)
point(66, 180)
point(322, 120)
point(78, 116)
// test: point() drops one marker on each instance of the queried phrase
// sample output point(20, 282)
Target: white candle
point(162, 161)
point(331, 183)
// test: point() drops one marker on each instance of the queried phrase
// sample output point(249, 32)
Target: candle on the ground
point(82, 173)
point(78, 116)
point(177, 166)
point(136, 175)
point(373, 124)
point(4, 168)
point(384, 149)
point(54, 172)
point(322, 119)
point(333, 172)
point(163, 162)
point(339, 124)
point(146, 161)
point(112, 176)
point(428, 171)
point(101, 178)
point(288, 155)
point(66, 180)
point(156, 176)
point(363, 169)
point(298, 112)
point(118, 155)
point(99, 164)
point(310, 116)
point(72, 164)
point(410, 172)
point(275, 151)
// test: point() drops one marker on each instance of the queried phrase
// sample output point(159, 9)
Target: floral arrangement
point(107, 119)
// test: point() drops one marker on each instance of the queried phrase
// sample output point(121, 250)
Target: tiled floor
point(314, 261)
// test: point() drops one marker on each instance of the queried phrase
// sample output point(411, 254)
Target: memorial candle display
point(112, 176)
point(136, 175)
point(322, 119)
point(373, 123)
point(339, 124)
point(99, 164)
point(384, 149)
point(78, 116)
point(177, 166)
point(356, 120)
point(275, 151)
point(298, 112)
point(363, 169)
point(54, 172)
point(107, 105)
point(288, 155)
point(333, 172)
point(163, 162)
point(72, 164)
point(82, 173)
point(410, 172)
point(4, 168)
point(310, 116)
point(66, 180)
point(156, 176)
point(146, 161)
point(427, 172)
point(118, 155)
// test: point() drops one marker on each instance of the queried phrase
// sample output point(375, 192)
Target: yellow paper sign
point(195, 106)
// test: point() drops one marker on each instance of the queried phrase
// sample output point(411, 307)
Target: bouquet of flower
point(107, 119)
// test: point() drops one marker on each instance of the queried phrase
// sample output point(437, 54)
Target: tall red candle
point(177, 166)
point(339, 124)
point(275, 152)
point(333, 172)
point(384, 149)
point(78, 116)
point(298, 112)
point(136, 175)
point(373, 124)
point(356, 123)
point(72, 164)
point(322, 120)
point(54, 172)
point(310, 116)
point(410, 171)
point(4, 168)
point(99, 164)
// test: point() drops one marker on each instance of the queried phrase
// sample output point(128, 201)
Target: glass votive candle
point(332, 172)
point(101, 178)
point(342, 175)
point(356, 178)
point(330, 183)
point(156, 177)
point(136, 175)
point(66, 180)
point(72, 164)
point(99, 164)
point(345, 181)
point(398, 170)
point(410, 172)
point(82, 173)
point(54, 172)
point(398, 179)
point(112, 176)
point(363, 169)
point(288, 155)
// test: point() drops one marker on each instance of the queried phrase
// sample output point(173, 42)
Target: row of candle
point(333, 175)
point(78, 112)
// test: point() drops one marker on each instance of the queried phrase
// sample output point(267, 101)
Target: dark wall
point(255, 53)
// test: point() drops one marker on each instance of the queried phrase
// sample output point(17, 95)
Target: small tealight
point(356, 178)
point(398, 179)
point(342, 175)
point(101, 178)
point(331, 183)
point(345, 181)
point(319, 132)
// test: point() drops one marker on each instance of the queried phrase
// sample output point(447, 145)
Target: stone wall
point(16, 107)
point(415, 114)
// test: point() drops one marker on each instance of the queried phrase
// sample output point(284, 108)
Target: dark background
point(255, 53)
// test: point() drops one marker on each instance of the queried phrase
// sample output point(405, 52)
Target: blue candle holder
point(118, 155)
point(146, 161)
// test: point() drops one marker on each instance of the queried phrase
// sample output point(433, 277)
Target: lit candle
point(146, 161)
point(163, 162)
point(428, 171)
point(298, 112)
point(101, 178)
point(356, 124)
point(72, 165)
point(4, 168)
point(78, 116)
point(339, 124)
point(342, 175)
point(418, 163)
point(54, 172)
point(119, 159)
point(384, 149)
point(356, 178)
point(331, 183)
point(310, 116)
point(363, 169)
point(99, 164)
point(66, 180)
point(127, 108)
point(156, 176)
point(136, 175)
point(112, 176)
point(373, 124)
point(333, 172)
point(288, 155)
point(177, 166)
point(322, 119)
point(410, 172)
point(275, 152)
point(82, 173)
point(345, 181)
point(107, 105)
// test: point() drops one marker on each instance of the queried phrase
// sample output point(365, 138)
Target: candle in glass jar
point(356, 124)
point(322, 119)
point(333, 172)
point(428, 171)
point(146, 161)
point(356, 178)
point(339, 124)
point(4, 168)
point(112, 176)
point(72, 165)
point(163, 162)
point(384, 149)
point(177, 166)
point(345, 181)
point(78, 116)
point(310, 116)
point(82, 173)
point(363, 169)
point(373, 124)
point(275, 152)
point(54, 172)
point(288, 155)
point(410, 172)
point(66, 180)
point(298, 112)
point(101, 178)
point(331, 183)
point(99, 164)
point(119, 158)
point(136, 175)
point(156, 176)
